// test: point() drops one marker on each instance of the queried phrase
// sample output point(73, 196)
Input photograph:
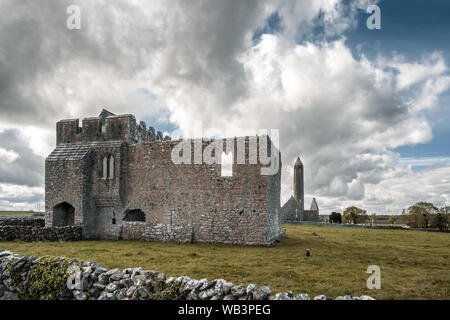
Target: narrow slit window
point(111, 167)
point(226, 162)
point(105, 167)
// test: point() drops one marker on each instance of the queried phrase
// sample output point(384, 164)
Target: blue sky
point(413, 29)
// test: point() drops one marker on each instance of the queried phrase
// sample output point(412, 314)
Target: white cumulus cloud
point(198, 61)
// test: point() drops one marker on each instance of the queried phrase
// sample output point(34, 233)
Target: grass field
point(414, 265)
point(16, 213)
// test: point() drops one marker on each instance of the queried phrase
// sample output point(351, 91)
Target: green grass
point(414, 265)
point(16, 213)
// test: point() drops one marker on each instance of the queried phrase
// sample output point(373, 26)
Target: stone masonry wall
point(133, 230)
point(30, 233)
point(311, 215)
point(76, 280)
point(112, 165)
point(66, 180)
point(242, 209)
point(167, 233)
point(273, 206)
point(22, 221)
point(113, 127)
point(105, 193)
point(219, 209)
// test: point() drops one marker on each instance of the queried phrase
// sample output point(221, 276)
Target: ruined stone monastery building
point(115, 178)
point(294, 209)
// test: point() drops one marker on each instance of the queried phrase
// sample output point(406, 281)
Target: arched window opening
point(134, 215)
point(63, 215)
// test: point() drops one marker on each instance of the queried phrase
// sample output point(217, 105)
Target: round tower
point(299, 192)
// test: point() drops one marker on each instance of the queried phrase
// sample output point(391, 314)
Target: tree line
point(420, 215)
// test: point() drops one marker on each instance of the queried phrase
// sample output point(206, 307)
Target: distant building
point(293, 210)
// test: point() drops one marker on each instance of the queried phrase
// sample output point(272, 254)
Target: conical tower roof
point(314, 206)
point(298, 163)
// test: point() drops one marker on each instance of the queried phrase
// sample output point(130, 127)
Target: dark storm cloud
point(201, 38)
point(25, 167)
point(25, 54)
point(35, 44)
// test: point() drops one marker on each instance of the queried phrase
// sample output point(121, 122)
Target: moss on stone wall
point(172, 292)
point(46, 278)
point(160, 290)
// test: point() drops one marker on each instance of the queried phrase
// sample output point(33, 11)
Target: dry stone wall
point(22, 221)
point(66, 279)
point(33, 229)
point(29, 233)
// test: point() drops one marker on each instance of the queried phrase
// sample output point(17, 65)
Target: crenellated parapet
point(106, 127)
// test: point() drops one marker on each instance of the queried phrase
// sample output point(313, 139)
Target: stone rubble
point(91, 281)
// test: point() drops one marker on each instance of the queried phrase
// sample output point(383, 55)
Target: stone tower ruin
point(299, 191)
point(116, 179)
point(294, 209)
